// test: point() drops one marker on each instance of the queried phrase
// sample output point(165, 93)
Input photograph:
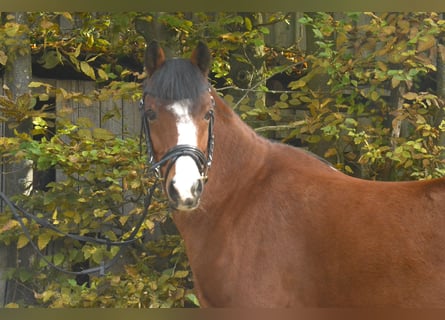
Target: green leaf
point(181, 274)
point(25, 275)
point(192, 298)
point(294, 85)
point(72, 282)
point(248, 23)
point(103, 134)
point(11, 29)
point(50, 59)
point(58, 258)
point(313, 139)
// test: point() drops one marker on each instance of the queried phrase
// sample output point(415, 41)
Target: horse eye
point(151, 114)
point(208, 115)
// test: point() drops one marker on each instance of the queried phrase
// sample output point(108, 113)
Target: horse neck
point(238, 149)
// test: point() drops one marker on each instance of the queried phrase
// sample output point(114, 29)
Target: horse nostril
point(172, 192)
point(189, 202)
point(197, 188)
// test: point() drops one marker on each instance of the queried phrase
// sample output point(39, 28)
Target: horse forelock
point(176, 79)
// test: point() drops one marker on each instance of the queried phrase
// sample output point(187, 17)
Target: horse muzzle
point(184, 197)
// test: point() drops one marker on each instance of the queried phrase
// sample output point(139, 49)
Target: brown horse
point(269, 225)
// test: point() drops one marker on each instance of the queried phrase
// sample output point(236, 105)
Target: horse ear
point(201, 58)
point(154, 57)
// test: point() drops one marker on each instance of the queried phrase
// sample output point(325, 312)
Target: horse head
point(178, 116)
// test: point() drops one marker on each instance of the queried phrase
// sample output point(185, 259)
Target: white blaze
point(186, 173)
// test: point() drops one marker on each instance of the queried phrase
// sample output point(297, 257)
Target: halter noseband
point(202, 161)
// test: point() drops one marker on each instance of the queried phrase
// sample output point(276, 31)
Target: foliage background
point(366, 95)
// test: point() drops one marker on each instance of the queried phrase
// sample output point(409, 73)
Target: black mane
point(176, 79)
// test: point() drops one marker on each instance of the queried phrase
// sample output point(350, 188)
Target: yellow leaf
point(87, 69)
point(404, 26)
point(441, 48)
point(388, 30)
point(77, 51)
point(69, 213)
point(330, 153)
point(123, 219)
point(230, 37)
point(77, 218)
point(55, 217)
point(149, 224)
point(36, 84)
point(63, 92)
point(67, 16)
point(131, 271)
point(395, 82)
point(46, 295)
point(43, 240)
point(341, 39)
point(10, 224)
point(348, 169)
point(102, 74)
point(382, 66)
point(374, 96)
point(22, 241)
point(426, 42)
point(45, 24)
point(12, 305)
point(3, 57)
point(410, 96)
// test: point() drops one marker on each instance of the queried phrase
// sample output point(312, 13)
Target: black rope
point(15, 209)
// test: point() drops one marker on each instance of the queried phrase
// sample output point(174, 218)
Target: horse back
point(366, 242)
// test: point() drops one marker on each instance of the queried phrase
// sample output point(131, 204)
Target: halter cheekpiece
point(202, 161)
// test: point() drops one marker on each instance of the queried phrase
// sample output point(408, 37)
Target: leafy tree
point(379, 117)
point(106, 179)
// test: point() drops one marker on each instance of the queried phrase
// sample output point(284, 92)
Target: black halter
point(202, 161)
